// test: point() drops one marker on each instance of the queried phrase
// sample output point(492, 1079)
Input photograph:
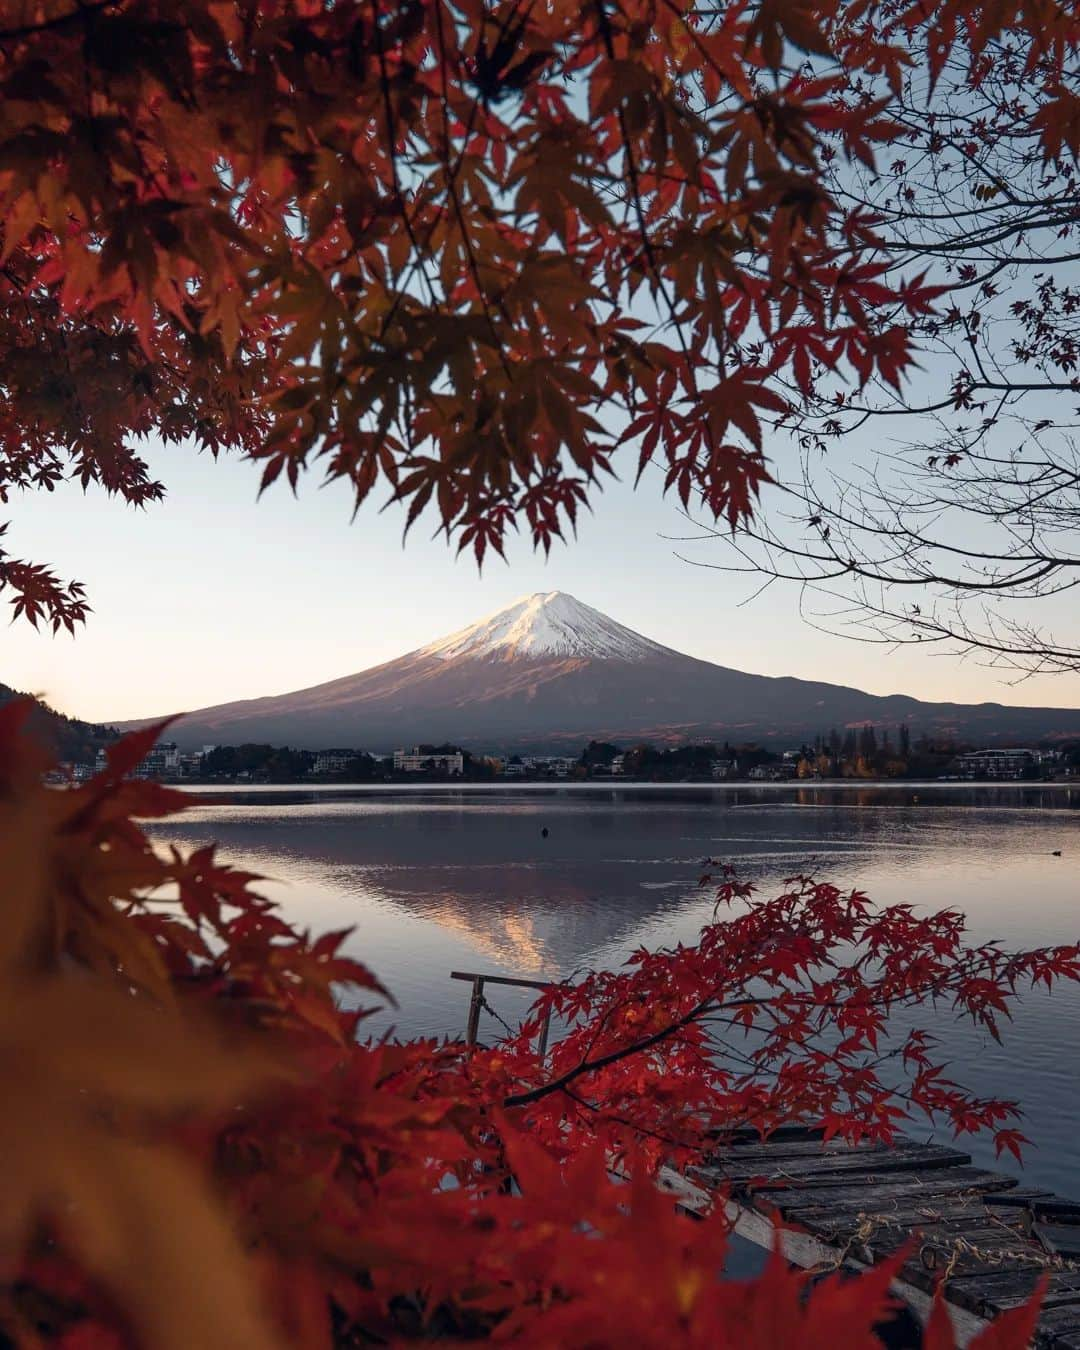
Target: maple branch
point(636, 1127)
point(979, 962)
point(613, 1056)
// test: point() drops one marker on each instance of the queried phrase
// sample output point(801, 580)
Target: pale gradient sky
point(213, 596)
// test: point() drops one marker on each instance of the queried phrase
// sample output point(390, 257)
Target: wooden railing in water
point(477, 1002)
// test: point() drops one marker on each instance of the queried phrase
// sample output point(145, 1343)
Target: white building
point(333, 761)
point(163, 761)
point(415, 761)
point(550, 766)
point(1012, 763)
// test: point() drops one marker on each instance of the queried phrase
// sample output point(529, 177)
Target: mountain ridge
point(548, 671)
point(68, 737)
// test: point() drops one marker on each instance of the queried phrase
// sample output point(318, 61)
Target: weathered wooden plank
point(902, 1158)
point(849, 1226)
point(994, 1293)
point(1066, 1340)
point(873, 1192)
point(1065, 1317)
point(1059, 1328)
point(961, 1211)
point(749, 1134)
point(937, 1254)
point(1062, 1340)
point(1058, 1239)
point(793, 1148)
point(950, 1237)
point(1055, 1210)
point(1025, 1195)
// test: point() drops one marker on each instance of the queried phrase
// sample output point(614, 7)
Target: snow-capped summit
point(549, 623)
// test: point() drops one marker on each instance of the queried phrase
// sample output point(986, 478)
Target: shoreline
point(624, 784)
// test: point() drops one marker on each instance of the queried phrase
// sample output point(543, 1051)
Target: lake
point(436, 879)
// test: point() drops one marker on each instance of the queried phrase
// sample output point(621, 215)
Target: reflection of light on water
point(513, 942)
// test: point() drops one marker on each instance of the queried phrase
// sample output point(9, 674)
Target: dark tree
point(598, 754)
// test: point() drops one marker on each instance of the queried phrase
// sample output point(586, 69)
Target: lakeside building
point(774, 773)
point(69, 771)
point(542, 766)
point(191, 764)
point(164, 759)
point(1012, 763)
point(334, 761)
point(416, 761)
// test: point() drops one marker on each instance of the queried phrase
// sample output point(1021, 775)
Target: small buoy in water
point(544, 832)
point(1056, 853)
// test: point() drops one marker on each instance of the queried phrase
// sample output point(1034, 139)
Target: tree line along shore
point(854, 753)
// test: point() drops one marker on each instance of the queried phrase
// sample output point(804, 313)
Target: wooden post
point(544, 1034)
point(478, 981)
point(475, 1004)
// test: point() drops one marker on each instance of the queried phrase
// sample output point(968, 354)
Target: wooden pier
point(980, 1236)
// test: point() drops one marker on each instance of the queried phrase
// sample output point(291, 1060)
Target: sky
point(213, 595)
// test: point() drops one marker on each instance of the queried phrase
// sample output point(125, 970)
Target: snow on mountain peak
point(547, 624)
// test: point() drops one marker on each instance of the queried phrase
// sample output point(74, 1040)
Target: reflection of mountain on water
point(617, 866)
point(537, 923)
point(437, 881)
point(529, 919)
point(483, 872)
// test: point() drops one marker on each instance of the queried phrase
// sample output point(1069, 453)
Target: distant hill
point(73, 741)
point(549, 673)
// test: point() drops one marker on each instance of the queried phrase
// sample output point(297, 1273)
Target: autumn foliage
point(199, 1149)
point(478, 254)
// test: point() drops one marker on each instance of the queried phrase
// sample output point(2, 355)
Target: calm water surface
point(434, 880)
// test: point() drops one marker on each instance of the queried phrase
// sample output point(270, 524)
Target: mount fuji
point(548, 672)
